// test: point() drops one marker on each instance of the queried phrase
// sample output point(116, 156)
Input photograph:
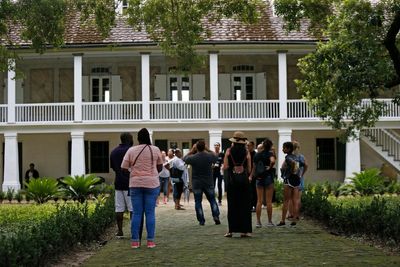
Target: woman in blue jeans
point(144, 162)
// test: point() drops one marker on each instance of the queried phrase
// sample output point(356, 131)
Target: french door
point(243, 86)
point(100, 88)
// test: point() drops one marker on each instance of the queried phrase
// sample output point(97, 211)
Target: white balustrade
point(168, 110)
point(44, 112)
point(248, 109)
point(182, 110)
point(385, 139)
point(3, 113)
point(390, 109)
point(300, 109)
point(116, 111)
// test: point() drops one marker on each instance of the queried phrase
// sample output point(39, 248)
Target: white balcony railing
point(300, 109)
point(189, 110)
point(168, 110)
point(248, 109)
point(390, 110)
point(3, 113)
point(95, 111)
point(44, 112)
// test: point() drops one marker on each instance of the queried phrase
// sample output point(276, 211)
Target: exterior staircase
point(386, 143)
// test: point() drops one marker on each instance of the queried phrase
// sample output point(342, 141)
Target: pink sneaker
point(151, 244)
point(135, 244)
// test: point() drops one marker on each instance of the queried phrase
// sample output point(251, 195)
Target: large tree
point(357, 57)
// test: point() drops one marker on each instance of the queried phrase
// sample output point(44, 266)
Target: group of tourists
point(142, 170)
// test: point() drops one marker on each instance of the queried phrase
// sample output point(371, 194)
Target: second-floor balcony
point(228, 110)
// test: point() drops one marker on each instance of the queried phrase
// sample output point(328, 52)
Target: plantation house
point(67, 109)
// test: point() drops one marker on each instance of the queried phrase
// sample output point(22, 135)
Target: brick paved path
point(182, 242)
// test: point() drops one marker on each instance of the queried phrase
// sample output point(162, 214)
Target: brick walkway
point(182, 242)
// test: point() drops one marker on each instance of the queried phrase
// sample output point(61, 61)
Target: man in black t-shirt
point(121, 183)
point(218, 177)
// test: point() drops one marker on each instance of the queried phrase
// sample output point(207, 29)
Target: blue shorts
point(265, 181)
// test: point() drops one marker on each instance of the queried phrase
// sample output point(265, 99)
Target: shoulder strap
point(234, 163)
point(139, 155)
point(151, 154)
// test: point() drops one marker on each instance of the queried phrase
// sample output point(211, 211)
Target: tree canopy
point(357, 57)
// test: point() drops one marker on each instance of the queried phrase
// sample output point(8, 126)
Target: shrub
point(18, 196)
point(34, 243)
point(369, 182)
point(10, 194)
point(42, 190)
point(278, 193)
point(80, 187)
point(375, 217)
point(348, 190)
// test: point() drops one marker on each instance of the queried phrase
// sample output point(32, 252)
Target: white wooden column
point(215, 136)
point(11, 92)
point(285, 135)
point(353, 159)
point(282, 73)
point(214, 85)
point(145, 86)
point(77, 153)
point(11, 171)
point(78, 87)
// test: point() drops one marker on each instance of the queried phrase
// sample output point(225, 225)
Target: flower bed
point(33, 234)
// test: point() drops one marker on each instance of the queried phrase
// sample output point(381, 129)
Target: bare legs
point(290, 195)
point(269, 191)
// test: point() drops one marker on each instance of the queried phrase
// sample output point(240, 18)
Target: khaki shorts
point(122, 201)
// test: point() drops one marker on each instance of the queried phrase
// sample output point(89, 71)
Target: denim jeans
point(164, 181)
point(143, 200)
point(198, 197)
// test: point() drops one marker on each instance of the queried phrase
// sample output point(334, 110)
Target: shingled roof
point(268, 29)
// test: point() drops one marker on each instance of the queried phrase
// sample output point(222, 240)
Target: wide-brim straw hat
point(238, 137)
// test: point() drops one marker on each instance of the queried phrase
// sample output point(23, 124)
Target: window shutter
point(85, 89)
point(19, 91)
point(261, 84)
point(116, 91)
point(199, 87)
point(224, 86)
point(160, 87)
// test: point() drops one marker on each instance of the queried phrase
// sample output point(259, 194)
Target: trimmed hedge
point(374, 217)
point(34, 244)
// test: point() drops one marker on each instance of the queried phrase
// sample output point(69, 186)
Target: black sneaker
point(202, 223)
point(281, 224)
point(217, 221)
point(293, 223)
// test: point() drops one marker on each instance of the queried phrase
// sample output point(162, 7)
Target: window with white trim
point(100, 84)
point(179, 87)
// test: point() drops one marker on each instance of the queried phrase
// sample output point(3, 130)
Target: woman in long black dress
point(238, 192)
